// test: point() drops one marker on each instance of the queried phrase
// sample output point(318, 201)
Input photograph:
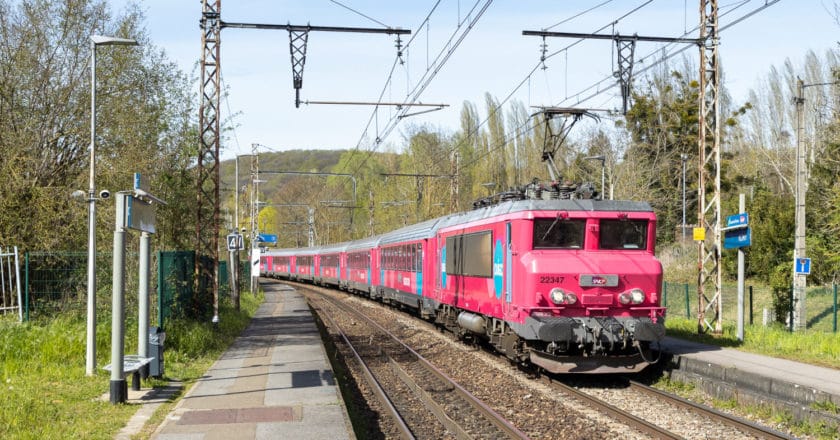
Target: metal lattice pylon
point(297, 48)
point(625, 49)
point(708, 183)
point(207, 206)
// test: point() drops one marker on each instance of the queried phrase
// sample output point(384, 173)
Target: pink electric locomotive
point(560, 281)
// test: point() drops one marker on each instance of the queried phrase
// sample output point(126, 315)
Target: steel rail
point(497, 420)
point(375, 386)
point(621, 415)
point(728, 419)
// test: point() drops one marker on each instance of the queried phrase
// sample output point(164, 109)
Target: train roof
point(429, 228)
point(365, 243)
point(417, 231)
point(547, 205)
point(332, 248)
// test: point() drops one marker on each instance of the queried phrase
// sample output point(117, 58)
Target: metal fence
point(56, 282)
point(821, 304)
point(10, 293)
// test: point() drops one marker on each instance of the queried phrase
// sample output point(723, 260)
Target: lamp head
point(100, 40)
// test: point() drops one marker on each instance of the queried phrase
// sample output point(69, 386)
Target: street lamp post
point(801, 186)
point(90, 354)
point(603, 160)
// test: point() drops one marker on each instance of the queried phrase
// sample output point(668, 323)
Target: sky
point(493, 57)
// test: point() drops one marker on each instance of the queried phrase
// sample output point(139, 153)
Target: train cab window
point(557, 233)
point(623, 234)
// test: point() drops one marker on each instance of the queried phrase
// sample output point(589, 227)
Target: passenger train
point(550, 277)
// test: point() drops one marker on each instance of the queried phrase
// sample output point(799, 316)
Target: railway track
point(394, 362)
point(717, 416)
point(419, 390)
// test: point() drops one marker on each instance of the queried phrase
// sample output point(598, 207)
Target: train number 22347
point(549, 279)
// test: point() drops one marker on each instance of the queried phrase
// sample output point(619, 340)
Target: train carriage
point(277, 264)
point(403, 265)
point(330, 268)
point(305, 264)
point(362, 263)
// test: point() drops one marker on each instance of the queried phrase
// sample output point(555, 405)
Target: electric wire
point(386, 87)
point(230, 113)
point(363, 15)
point(526, 126)
point(597, 92)
point(577, 15)
point(422, 83)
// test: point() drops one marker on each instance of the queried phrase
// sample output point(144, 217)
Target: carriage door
point(508, 263)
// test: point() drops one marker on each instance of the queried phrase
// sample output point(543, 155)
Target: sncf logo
point(599, 281)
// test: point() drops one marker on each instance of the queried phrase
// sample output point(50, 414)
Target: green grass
point(809, 346)
point(819, 303)
point(46, 394)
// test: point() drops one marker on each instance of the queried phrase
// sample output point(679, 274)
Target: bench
point(132, 363)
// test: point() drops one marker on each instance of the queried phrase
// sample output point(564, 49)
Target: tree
point(663, 125)
point(144, 122)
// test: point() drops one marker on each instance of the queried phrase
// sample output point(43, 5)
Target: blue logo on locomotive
point(443, 266)
point(498, 269)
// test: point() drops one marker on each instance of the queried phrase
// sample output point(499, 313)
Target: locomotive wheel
point(510, 345)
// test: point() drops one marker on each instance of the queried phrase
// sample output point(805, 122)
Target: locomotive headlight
point(557, 295)
point(624, 298)
point(637, 296)
point(571, 298)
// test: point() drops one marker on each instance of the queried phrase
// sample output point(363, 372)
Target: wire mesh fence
point(821, 304)
point(56, 283)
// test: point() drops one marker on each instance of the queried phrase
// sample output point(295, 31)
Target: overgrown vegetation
point(42, 371)
point(813, 347)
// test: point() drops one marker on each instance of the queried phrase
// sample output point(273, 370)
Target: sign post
point(736, 236)
point(235, 243)
point(133, 211)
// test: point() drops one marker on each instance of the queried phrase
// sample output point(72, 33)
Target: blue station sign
point(741, 220)
point(267, 238)
point(736, 238)
point(737, 232)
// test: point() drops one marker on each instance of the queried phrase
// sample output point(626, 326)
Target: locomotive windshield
point(623, 234)
point(556, 233)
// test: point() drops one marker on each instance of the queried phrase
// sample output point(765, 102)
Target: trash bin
point(156, 338)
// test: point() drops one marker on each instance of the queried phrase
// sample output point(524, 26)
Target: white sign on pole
point(255, 261)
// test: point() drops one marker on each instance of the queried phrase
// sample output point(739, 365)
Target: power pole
point(454, 196)
point(371, 205)
point(709, 261)
point(208, 202)
point(255, 212)
point(207, 206)
point(709, 278)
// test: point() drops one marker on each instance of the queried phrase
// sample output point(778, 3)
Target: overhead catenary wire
point(442, 57)
point(578, 97)
point(476, 130)
point(359, 13)
point(597, 92)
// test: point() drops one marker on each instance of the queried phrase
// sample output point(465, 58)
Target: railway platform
point(752, 378)
point(273, 382)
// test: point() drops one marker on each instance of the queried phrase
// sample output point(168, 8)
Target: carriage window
point(623, 234)
point(557, 233)
point(418, 262)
